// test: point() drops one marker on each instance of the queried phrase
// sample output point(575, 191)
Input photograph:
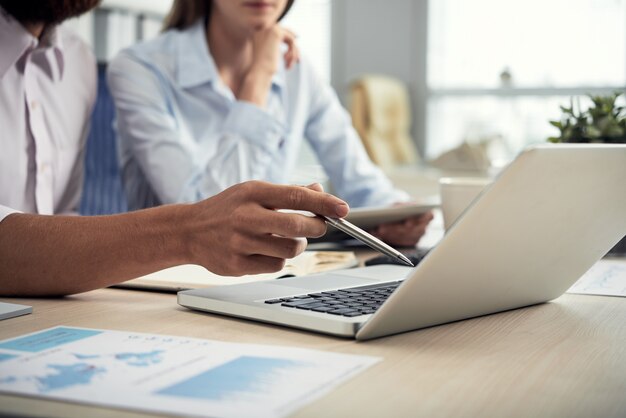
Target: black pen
point(366, 238)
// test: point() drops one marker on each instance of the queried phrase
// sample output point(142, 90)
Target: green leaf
point(603, 121)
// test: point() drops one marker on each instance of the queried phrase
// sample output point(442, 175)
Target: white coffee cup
point(457, 193)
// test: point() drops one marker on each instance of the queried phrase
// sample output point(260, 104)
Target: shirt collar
point(15, 40)
point(195, 62)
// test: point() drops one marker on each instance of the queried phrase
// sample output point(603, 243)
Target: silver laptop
point(544, 222)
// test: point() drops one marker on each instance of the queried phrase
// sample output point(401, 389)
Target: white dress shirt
point(184, 136)
point(47, 92)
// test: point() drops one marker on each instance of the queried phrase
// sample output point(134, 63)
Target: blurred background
point(490, 72)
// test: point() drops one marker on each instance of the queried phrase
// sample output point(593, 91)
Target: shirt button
point(33, 104)
point(44, 167)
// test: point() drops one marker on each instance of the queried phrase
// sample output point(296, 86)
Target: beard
point(49, 12)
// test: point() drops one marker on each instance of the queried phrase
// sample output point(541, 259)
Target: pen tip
point(406, 260)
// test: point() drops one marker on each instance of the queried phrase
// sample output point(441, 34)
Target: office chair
point(381, 114)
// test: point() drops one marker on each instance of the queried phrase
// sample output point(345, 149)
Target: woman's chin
point(257, 23)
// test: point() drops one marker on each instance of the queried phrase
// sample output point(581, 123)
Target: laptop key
point(272, 301)
point(310, 306)
point(331, 293)
point(323, 309)
point(351, 314)
point(297, 302)
point(342, 311)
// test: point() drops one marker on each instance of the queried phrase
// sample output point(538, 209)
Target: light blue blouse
point(183, 136)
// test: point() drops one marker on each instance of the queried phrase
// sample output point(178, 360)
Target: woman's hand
point(266, 46)
point(406, 233)
point(266, 49)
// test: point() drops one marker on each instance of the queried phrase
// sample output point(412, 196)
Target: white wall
point(386, 37)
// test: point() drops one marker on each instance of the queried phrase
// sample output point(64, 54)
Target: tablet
point(370, 217)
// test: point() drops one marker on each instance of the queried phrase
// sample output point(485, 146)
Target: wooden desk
point(564, 358)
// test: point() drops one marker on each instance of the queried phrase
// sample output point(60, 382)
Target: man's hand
point(406, 233)
point(239, 231)
point(235, 232)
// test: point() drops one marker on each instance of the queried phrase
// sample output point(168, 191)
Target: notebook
point(11, 310)
point(546, 219)
point(190, 276)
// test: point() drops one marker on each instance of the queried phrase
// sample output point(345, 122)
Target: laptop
point(548, 217)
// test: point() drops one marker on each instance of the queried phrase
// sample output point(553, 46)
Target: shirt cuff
point(255, 125)
point(6, 211)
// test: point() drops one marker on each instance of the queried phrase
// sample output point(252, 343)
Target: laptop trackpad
point(323, 282)
point(347, 278)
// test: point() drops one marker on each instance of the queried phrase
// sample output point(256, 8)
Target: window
point(311, 21)
point(502, 68)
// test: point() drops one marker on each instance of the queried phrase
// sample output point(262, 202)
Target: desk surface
point(564, 358)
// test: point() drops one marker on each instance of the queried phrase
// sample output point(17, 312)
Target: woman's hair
point(185, 13)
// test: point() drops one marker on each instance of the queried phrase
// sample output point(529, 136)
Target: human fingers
point(425, 218)
point(293, 225)
point(400, 234)
point(271, 245)
point(289, 31)
point(290, 58)
point(315, 186)
point(238, 265)
point(266, 49)
point(292, 55)
point(300, 198)
point(421, 220)
point(257, 263)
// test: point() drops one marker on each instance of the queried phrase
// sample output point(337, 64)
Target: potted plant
point(603, 122)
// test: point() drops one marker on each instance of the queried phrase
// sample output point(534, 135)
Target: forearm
point(255, 87)
point(59, 255)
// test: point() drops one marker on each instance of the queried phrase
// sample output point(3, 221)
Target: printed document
point(607, 277)
point(173, 375)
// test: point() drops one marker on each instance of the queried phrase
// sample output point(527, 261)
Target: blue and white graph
point(169, 374)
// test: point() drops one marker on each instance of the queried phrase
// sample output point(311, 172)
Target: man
point(47, 91)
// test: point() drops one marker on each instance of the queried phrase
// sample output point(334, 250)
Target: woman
point(211, 102)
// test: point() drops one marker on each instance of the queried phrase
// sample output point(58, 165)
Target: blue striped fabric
point(103, 192)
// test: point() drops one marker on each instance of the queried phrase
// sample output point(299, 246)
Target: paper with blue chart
point(607, 277)
point(170, 374)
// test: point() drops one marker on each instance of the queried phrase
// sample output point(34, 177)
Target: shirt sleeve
point(180, 168)
point(6, 211)
point(340, 150)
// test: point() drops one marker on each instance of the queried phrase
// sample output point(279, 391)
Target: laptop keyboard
point(350, 302)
